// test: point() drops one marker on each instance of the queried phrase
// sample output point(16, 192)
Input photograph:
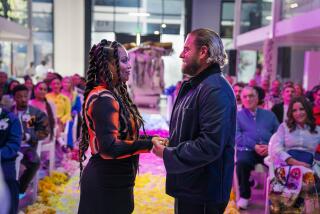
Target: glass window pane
point(118, 3)
point(42, 22)
point(43, 47)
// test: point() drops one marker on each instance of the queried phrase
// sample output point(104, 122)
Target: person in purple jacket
point(255, 127)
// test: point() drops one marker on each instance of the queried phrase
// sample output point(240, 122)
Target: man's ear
point(204, 52)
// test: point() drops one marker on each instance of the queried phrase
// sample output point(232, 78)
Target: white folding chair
point(268, 161)
point(44, 145)
point(18, 163)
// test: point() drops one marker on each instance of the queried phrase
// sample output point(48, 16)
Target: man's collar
point(211, 69)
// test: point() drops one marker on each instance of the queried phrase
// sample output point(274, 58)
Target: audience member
point(68, 91)
point(10, 140)
point(299, 91)
point(237, 88)
point(255, 126)
point(40, 102)
point(316, 105)
point(292, 148)
point(7, 100)
point(280, 110)
point(34, 128)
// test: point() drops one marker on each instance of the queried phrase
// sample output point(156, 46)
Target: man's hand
point(158, 149)
point(262, 150)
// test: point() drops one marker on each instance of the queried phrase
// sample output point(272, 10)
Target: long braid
point(90, 84)
point(123, 91)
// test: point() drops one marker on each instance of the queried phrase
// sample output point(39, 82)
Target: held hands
point(262, 150)
point(159, 144)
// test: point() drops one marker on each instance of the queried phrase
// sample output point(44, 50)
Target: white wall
point(311, 75)
point(69, 36)
point(206, 14)
point(172, 63)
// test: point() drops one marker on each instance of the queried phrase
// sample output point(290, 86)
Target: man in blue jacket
point(35, 126)
point(10, 140)
point(255, 126)
point(199, 159)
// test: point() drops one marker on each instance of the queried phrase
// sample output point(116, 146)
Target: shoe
point(21, 195)
point(243, 203)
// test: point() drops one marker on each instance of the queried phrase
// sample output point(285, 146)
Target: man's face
point(21, 98)
point(275, 88)
point(249, 98)
point(287, 94)
point(190, 57)
point(237, 91)
point(3, 78)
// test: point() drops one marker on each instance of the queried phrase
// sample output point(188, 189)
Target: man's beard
point(192, 68)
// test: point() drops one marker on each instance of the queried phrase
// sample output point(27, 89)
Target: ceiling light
point(138, 14)
point(268, 17)
point(156, 32)
point(163, 25)
point(294, 5)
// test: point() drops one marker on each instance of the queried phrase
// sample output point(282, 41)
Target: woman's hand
point(294, 162)
point(160, 140)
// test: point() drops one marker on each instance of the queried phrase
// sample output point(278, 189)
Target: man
point(274, 97)
point(280, 110)
point(30, 70)
point(200, 157)
point(237, 88)
point(316, 104)
point(41, 71)
point(10, 140)
point(255, 126)
point(35, 128)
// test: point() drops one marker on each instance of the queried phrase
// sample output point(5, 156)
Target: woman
point(40, 102)
point(29, 84)
point(111, 128)
point(61, 103)
point(292, 149)
point(68, 90)
point(7, 99)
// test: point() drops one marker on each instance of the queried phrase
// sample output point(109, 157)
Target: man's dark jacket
point(278, 110)
point(200, 158)
point(10, 140)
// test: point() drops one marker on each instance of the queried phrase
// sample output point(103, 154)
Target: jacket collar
point(212, 69)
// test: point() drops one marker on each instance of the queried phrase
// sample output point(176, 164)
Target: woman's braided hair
point(99, 69)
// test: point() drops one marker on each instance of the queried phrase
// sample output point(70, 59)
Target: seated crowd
point(31, 114)
point(282, 123)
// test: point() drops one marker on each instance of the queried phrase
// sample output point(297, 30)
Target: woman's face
point(40, 91)
point(66, 83)
point(125, 66)
point(55, 85)
point(28, 83)
point(13, 84)
point(299, 113)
